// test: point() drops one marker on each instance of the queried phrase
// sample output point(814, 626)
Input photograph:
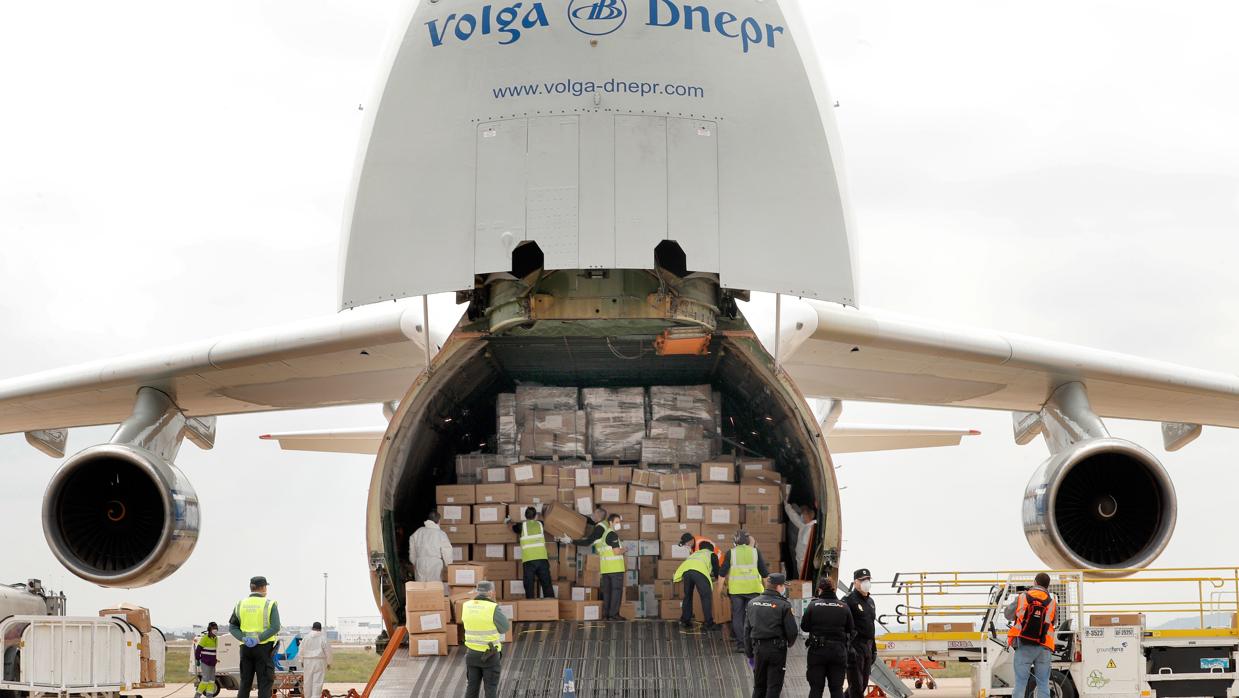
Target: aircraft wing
point(852, 354)
point(360, 440)
point(366, 356)
point(858, 438)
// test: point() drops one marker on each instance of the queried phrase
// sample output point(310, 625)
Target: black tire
point(1061, 686)
point(227, 681)
point(918, 683)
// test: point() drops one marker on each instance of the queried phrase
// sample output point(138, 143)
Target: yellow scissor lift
point(1153, 633)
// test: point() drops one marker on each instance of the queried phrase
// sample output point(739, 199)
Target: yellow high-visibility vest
point(743, 577)
point(478, 617)
point(254, 612)
point(533, 543)
point(608, 561)
point(698, 562)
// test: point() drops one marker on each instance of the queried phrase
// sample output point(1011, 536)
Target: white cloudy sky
point(171, 171)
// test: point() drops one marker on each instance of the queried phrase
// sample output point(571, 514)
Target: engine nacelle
point(120, 516)
point(1102, 504)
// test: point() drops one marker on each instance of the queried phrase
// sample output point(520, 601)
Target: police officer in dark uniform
point(769, 629)
point(828, 621)
point(863, 648)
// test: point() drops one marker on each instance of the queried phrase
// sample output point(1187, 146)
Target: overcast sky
point(173, 171)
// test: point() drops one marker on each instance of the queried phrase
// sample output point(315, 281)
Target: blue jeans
point(1035, 659)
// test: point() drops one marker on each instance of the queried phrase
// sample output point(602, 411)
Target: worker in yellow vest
point(698, 573)
point(255, 622)
point(205, 650)
point(535, 568)
point(611, 567)
point(485, 626)
point(744, 569)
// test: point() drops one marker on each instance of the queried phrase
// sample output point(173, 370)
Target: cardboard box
point(801, 589)
point(950, 627)
point(453, 634)
point(678, 480)
point(610, 494)
point(495, 533)
point(583, 500)
point(590, 575)
point(539, 609)
point(490, 551)
point(760, 493)
point(427, 621)
point(719, 534)
point(582, 594)
point(574, 477)
point(149, 670)
point(668, 510)
point(428, 645)
point(716, 493)
point(494, 476)
point(722, 514)
point(559, 520)
point(537, 494)
point(489, 513)
point(460, 534)
point(755, 477)
point(647, 527)
point(462, 553)
point(667, 568)
point(456, 513)
point(455, 494)
point(465, 575)
point(496, 494)
point(693, 512)
point(527, 473)
point(513, 589)
point(500, 570)
point(669, 609)
point(580, 610)
point(628, 610)
point(718, 471)
point(1108, 619)
point(642, 496)
point(138, 617)
point(550, 474)
point(666, 589)
point(675, 551)
point(670, 531)
point(424, 596)
point(760, 514)
point(648, 548)
point(645, 478)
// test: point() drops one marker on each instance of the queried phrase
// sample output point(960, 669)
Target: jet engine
point(119, 515)
point(1103, 504)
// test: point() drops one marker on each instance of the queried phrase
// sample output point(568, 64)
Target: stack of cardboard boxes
point(140, 619)
point(659, 500)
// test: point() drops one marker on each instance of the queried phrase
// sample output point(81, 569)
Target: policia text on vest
point(255, 622)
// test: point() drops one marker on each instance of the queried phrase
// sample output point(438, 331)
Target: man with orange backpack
point(1032, 614)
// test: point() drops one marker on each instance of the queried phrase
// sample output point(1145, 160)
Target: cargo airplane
point(602, 184)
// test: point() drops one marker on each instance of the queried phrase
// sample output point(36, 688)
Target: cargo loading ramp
point(633, 659)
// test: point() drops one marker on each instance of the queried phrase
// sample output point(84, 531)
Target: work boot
point(686, 624)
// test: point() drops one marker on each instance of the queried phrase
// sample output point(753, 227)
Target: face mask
point(865, 585)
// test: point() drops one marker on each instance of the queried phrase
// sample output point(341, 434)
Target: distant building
point(359, 630)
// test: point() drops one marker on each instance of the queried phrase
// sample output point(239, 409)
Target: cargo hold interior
point(459, 415)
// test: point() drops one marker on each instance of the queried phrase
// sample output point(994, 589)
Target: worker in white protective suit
point(804, 519)
point(315, 658)
point(430, 551)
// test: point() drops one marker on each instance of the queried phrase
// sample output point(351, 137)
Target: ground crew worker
point(204, 661)
point(830, 626)
point(864, 648)
point(769, 629)
point(744, 569)
point(485, 626)
point(693, 543)
point(1033, 614)
point(535, 569)
point(804, 519)
point(430, 550)
point(255, 622)
point(610, 565)
point(315, 656)
point(698, 573)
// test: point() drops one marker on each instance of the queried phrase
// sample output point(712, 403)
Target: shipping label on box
point(496, 494)
point(694, 512)
point(429, 645)
point(641, 496)
point(489, 513)
point(581, 477)
point(465, 575)
point(527, 473)
point(667, 510)
point(455, 494)
point(610, 494)
point(460, 553)
point(718, 471)
point(491, 551)
point(584, 501)
point(675, 551)
point(649, 522)
point(648, 547)
point(455, 513)
point(491, 476)
point(722, 514)
point(516, 588)
point(426, 621)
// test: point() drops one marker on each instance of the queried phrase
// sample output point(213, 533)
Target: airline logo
point(597, 17)
point(506, 24)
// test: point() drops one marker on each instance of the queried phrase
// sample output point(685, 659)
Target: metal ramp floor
point(635, 659)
